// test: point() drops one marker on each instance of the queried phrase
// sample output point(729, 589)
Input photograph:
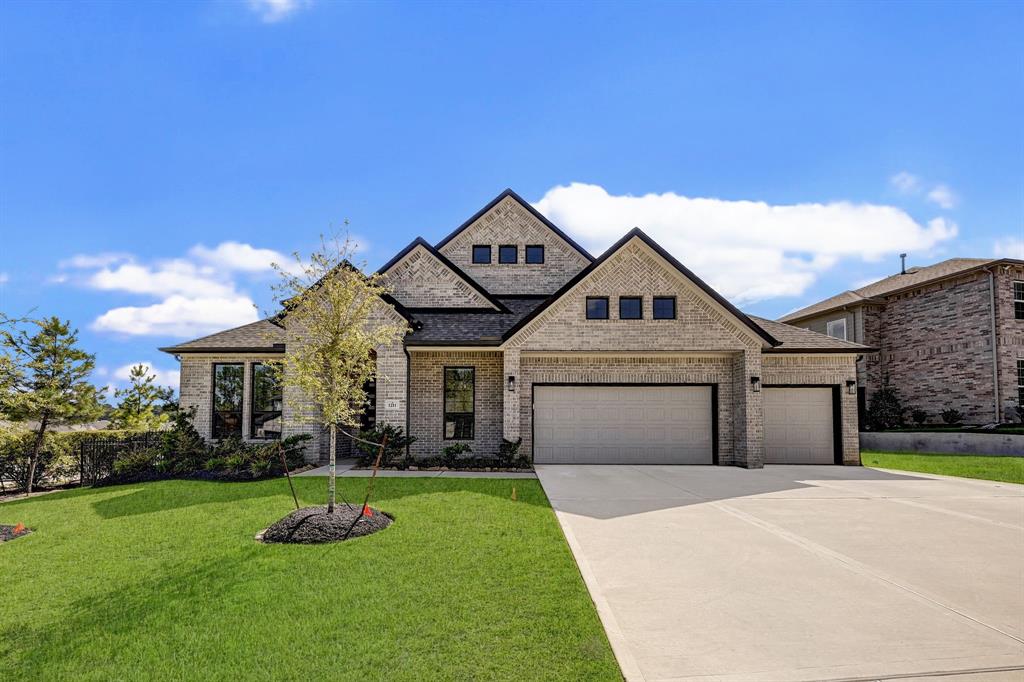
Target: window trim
point(1018, 303)
point(639, 299)
point(213, 400)
point(252, 404)
point(607, 307)
point(526, 254)
point(828, 328)
point(654, 307)
point(444, 403)
point(472, 254)
point(508, 246)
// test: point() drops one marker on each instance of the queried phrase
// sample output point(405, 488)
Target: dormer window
point(508, 254)
point(482, 254)
point(535, 254)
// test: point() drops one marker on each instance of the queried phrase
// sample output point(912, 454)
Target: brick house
point(515, 331)
point(949, 336)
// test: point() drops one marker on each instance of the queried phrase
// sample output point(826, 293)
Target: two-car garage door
point(599, 424)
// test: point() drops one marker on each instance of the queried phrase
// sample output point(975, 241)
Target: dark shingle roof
point(262, 336)
point(466, 328)
point(913, 277)
point(798, 340)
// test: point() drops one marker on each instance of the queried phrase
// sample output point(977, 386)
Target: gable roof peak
point(508, 192)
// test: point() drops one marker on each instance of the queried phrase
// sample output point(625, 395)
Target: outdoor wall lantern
point(755, 384)
point(851, 386)
point(511, 384)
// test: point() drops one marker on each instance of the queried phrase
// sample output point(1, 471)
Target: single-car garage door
point(622, 424)
point(798, 425)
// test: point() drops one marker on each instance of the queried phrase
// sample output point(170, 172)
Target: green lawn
point(1009, 469)
point(164, 581)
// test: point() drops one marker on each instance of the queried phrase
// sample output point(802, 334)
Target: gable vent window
point(481, 254)
point(535, 254)
point(631, 308)
point(597, 307)
point(508, 254)
point(836, 328)
point(664, 307)
point(1018, 300)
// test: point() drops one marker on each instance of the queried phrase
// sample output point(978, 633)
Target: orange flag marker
point(367, 511)
point(20, 528)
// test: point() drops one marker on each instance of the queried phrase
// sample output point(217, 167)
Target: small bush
point(508, 451)
point(952, 417)
point(138, 465)
point(885, 410)
point(397, 446)
point(919, 416)
point(451, 453)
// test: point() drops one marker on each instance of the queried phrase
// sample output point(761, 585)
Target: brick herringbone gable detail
point(422, 281)
point(510, 223)
point(635, 270)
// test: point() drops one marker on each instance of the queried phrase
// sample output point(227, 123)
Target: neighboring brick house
point(934, 329)
point(517, 332)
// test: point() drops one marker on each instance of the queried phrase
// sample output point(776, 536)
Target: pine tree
point(137, 406)
point(43, 378)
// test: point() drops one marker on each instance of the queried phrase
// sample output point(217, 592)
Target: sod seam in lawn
point(165, 581)
point(991, 468)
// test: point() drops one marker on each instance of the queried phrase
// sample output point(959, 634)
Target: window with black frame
point(267, 399)
point(459, 389)
point(228, 382)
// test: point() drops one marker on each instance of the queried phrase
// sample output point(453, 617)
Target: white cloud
point(167, 277)
point(240, 257)
point(748, 250)
point(943, 197)
point(94, 260)
point(164, 377)
point(179, 316)
point(271, 11)
point(904, 182)
point(1009, 247)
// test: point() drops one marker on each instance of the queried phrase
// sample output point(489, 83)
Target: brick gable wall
point(420, 280)
point(510, 223)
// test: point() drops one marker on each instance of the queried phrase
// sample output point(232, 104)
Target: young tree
point(136, 410)
point(336, 319)
point(43, 378)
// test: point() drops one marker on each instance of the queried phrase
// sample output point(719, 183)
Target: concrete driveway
point(798, 572)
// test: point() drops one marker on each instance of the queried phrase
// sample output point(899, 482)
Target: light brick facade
point(707, 343)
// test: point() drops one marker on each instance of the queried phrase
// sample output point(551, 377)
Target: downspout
point(995, 353)
point(408, 383)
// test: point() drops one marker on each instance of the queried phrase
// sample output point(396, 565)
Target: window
point(227, 400)
point(535, 254)
point(630, 308)
point(1020, 383)
point(1018, 300)
point(459, 390)
point(836, 328)
point(267, 398)
point(597, 307)
point(482, 254)
point(369, 417)
point(664, 307)
point(508, 254)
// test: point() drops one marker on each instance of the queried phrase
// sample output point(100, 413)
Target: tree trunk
point(33, 457)
point(331, 471)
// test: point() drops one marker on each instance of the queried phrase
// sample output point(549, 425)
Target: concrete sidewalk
point(798, 573)
point(345, 469)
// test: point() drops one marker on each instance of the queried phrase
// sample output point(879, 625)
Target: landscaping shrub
point(952, 416)
point(919, 416)
point(138, 465)
point(885, 410)
point(394, 452)
point(450, 453)
point(58, 457)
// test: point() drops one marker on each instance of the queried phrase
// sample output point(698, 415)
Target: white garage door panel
point(798, 426)
point(622, 425)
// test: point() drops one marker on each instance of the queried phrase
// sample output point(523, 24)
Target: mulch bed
point(7, 532)
point(313, 525)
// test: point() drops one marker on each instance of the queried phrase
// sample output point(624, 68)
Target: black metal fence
point(96, 456)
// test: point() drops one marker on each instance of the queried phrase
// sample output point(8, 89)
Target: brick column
point(511, 399)
point(748, 424)
point(392, 372)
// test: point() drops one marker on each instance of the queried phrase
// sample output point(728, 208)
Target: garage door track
point(798, 572)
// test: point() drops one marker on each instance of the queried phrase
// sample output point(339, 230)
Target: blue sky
point(154, 157)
